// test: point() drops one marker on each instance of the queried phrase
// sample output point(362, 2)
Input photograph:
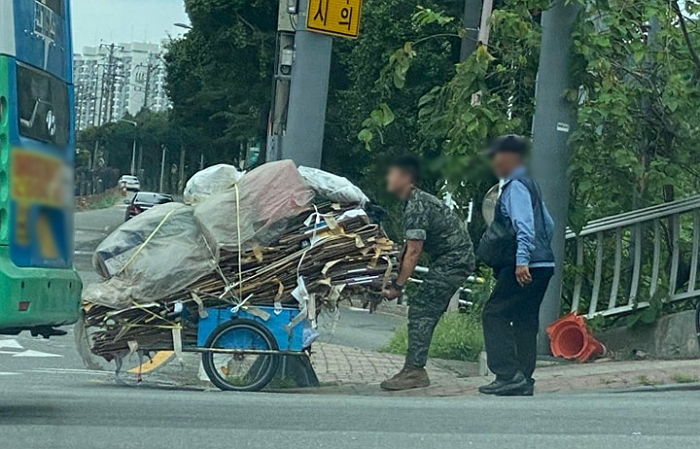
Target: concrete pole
point(555, 119)
point(181, 170)
point(472, 19)
point(485, 25)
point(133, 158)
point(308, 95)
point(162, 169)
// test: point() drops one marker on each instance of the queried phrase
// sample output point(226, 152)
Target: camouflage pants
point(426, 308)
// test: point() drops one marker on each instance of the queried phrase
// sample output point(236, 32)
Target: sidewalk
point(342, 365)
point(343, 370)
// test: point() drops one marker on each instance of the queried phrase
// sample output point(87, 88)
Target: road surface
point(49, 401)
point(61, 408)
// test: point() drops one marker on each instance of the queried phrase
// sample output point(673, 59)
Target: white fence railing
point(622, 262)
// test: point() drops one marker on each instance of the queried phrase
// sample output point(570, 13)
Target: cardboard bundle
point(285, 246)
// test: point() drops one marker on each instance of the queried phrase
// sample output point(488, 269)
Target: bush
point(103, 200)
point(458, 336)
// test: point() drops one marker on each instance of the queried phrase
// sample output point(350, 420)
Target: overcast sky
point(125, 21)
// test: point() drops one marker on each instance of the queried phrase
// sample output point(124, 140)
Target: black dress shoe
point(502, 387)
point(527, 390)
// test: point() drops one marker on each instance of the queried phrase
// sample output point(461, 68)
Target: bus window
point(45, 20)
point(44, 110)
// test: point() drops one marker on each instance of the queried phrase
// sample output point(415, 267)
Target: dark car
point(143, 201)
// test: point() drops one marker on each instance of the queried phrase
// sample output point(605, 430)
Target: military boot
point(408, 378)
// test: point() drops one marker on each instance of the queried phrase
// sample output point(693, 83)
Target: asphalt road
point(49, 401)
point(40, 410)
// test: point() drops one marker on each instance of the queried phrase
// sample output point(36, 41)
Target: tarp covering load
point(255, 209)
point(153, 255)
point(210, 181)
point(333, 187)
point(292, 252)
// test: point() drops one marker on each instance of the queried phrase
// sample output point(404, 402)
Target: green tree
point(219, 76)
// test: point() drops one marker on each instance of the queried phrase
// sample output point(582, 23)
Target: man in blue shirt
point(511, 316)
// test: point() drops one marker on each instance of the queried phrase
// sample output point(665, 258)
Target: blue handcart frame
point(242, 347)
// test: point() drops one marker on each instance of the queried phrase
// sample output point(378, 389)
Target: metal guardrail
point(647, 254)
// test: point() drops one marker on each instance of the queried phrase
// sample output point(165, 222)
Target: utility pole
point(555, 119)
point(133, 149)
point(181, 170)
point(284, 60)
point(95, 112)
point(138, 167)
point(109, 76)
point(302, 138)
point(472, 19)
point(151, 68)
point(162, 168)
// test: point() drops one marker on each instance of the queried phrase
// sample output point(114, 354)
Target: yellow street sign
point(335, 17)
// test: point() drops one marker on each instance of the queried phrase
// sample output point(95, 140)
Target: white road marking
point(70, 371)
point(8, 374)
point(32, 353)
point(11, 343)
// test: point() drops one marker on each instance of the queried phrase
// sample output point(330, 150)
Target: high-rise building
point(115, 79)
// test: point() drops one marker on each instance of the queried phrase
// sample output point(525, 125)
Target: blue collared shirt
point(516, 203)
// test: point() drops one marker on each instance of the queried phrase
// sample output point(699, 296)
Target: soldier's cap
point(510, 143)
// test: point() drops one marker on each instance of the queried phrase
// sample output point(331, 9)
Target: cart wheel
point(241, 372)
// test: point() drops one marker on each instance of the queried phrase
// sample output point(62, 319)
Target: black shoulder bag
point(498, 245)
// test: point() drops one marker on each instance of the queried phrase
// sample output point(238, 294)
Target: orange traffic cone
point(571, 339)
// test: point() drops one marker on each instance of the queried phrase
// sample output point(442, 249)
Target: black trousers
point(511, 322)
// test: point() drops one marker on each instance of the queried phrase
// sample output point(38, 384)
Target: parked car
point(143, 201)
point(130, 183)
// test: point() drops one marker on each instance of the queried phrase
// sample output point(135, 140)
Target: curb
point(695, 386)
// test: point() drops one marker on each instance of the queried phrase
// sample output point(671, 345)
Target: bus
point(39, 287)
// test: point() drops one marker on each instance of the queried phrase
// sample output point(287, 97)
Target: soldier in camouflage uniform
point(431, 228)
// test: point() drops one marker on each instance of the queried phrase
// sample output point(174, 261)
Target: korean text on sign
point(335, 17)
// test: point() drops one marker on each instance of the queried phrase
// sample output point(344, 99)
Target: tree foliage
point(401, 87)
point(638, 77)
point(115, 142)
point(219, 75)
point(636, 143)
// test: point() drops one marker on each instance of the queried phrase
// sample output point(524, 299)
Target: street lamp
point(133, 149)
point(182, 25)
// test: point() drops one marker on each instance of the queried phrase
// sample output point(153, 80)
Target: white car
point(130, 183)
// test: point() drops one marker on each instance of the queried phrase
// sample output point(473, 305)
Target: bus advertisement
point(39, 288)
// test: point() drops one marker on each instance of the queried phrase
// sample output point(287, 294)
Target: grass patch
point(648, 381)
point(458, 336)
point(683, 378)
point(100, 201)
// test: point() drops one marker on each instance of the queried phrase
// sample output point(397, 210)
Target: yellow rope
point(154, 315)
point(146, 242)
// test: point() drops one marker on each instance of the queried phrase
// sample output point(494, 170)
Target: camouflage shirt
point(445, 235)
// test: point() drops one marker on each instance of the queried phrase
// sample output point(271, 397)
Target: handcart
point(242, 347)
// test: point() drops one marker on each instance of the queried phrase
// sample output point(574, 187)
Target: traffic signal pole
point(301, 138)
point(554, 121)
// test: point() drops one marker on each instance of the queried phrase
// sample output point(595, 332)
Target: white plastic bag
point(210, 181)
point(333, 187)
